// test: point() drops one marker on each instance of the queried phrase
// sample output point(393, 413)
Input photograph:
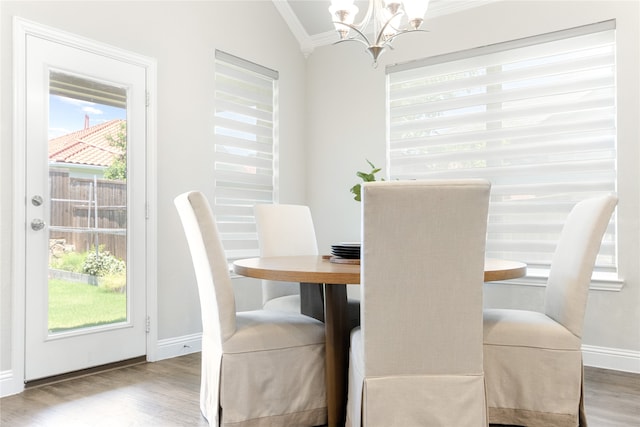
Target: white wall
point(182, 36)
point(346, 105)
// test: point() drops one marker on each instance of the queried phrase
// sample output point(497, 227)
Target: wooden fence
point(88, 213)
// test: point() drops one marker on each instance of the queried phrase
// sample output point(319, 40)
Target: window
point(536, 117)
point(245, 146)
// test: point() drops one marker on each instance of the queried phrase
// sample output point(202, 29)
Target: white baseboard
point(611, 358)
point(10, 385)
point(174, 347)
point(597, 357)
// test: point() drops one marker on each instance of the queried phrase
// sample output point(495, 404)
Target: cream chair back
point(217, 300)
point(573, 261)
point(284, 230)
point(422, 274)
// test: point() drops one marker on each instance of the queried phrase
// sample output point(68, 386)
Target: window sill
point(538, 277)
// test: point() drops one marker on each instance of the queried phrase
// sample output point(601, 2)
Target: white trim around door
point(14, 382)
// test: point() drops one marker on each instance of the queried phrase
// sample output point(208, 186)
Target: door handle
point(37, 224)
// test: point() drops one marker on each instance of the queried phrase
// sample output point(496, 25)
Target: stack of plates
point(346, 250)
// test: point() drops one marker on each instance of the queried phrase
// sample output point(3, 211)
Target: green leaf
point(366, 177)
point(356, 189)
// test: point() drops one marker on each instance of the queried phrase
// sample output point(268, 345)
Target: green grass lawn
point(79, 305)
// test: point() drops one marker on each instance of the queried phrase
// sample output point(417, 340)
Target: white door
point(85, 233)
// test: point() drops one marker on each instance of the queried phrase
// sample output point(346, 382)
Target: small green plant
point(366, 177)
point(69, 261)
point(101, 263)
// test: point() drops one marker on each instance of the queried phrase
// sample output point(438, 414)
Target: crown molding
point(304, 40)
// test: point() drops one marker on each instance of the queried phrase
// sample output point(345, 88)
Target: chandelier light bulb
point(343, 13)
point(415, 11)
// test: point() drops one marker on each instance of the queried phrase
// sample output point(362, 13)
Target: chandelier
point(390, 18)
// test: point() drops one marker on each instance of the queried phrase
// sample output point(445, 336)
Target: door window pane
point(88, 209)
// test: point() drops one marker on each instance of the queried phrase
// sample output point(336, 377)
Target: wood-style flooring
point(166, 394)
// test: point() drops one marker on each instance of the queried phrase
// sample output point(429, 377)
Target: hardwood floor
point(166, 394)
point(612, 398)
point(160, 394)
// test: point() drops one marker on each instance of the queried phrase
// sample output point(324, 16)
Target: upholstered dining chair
point(533, 360)
point(284, 230)
point(416, 359)
point(288, 230)
point(259, 367)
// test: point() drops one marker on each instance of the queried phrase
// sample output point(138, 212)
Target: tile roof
point(88, 146)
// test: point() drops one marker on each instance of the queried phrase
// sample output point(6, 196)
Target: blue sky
point(66, 115)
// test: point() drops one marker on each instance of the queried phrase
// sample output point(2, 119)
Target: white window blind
point(245, 147)
point(536, 117)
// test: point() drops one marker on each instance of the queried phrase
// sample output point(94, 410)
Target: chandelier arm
point(354, 28)
point(386, 24)
point(352, 39)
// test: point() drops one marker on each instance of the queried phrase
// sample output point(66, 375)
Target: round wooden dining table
point(324, 283)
